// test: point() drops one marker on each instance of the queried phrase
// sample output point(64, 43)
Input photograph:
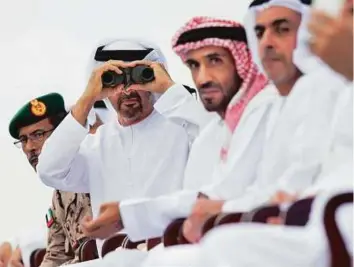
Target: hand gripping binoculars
point(137, 75)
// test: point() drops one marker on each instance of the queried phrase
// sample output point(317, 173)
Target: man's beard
point(129, 111)
point(217, 104)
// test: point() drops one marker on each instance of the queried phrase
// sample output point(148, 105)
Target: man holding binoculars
point(114, 80)
point(140, 154)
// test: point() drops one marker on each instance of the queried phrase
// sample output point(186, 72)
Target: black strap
point(124, 55)
point(261, 2)
point(227, 33)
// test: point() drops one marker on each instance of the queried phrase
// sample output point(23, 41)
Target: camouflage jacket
point(64, 233)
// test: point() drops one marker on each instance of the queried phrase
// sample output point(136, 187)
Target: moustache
point(270, 54)
point(132, 95)
point(209, 85)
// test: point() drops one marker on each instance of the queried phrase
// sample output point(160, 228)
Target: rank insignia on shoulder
point(49, 218)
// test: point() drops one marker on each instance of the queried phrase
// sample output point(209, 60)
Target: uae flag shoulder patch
point(49, 218)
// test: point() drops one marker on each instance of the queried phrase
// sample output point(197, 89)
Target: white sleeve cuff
point(148, 218)
point(69, 131)
point(231, 206)
point(171, 98)
point(76, 126)
point(238, 205)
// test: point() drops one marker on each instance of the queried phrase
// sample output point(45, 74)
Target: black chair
point(298, 213)
point(340, 256)
point(209, 224)
point(88, 250)
point(113, 242)
point(262, 214)
point(171, 235)
point(37, 257)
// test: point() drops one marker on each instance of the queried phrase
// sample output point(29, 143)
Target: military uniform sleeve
point(77, 210)
point(56, 253)
point(62, 162)
point(181, 107)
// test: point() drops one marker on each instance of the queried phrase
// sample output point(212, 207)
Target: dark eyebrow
point(191, 61)
point(31, 133)
point(275, 23)
point(278, 22)
point(213, 55)
point(208, 56)
point(259, 27)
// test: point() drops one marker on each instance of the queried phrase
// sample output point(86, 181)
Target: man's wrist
point(166, 86)
point(86, 102)
point(82, 109)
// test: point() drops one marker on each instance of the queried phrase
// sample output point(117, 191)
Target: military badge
point(49, 218)
point(38, 108)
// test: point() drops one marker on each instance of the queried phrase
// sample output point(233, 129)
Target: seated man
point(254, 244)
point(64, 231)
point(297, 140)
point(141, 152)
point(301, 138)
point(236, 245)
point(31, 126)
point(227, 80)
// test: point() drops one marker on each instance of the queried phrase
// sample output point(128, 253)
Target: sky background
point(44, 47)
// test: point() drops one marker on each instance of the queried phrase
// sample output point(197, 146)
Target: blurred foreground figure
point(142, 151)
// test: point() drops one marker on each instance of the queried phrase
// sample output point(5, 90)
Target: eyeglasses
point(36, 137)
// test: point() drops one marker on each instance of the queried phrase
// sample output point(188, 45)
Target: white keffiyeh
point(155, 55)
point(302, 57)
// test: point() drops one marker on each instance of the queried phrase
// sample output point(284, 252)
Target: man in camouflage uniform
point(31, 126)
point(64, 234)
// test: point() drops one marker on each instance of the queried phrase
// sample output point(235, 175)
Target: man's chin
point(130, 116)
point(276, 74)
point(211, 106)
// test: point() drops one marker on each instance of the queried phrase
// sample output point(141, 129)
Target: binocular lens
point(135, 75)
point(142, 74)
point(111, 79)
point(107, 77)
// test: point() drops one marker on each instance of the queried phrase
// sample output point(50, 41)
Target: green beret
point(36, 110)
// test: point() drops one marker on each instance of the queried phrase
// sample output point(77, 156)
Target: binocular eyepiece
point(136, 75)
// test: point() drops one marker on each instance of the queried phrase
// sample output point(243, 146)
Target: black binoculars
point(136, 75)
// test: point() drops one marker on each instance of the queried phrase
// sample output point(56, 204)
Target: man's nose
point(30, 145)
point(203, 77)
point(126, 92)
point(267, 42)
